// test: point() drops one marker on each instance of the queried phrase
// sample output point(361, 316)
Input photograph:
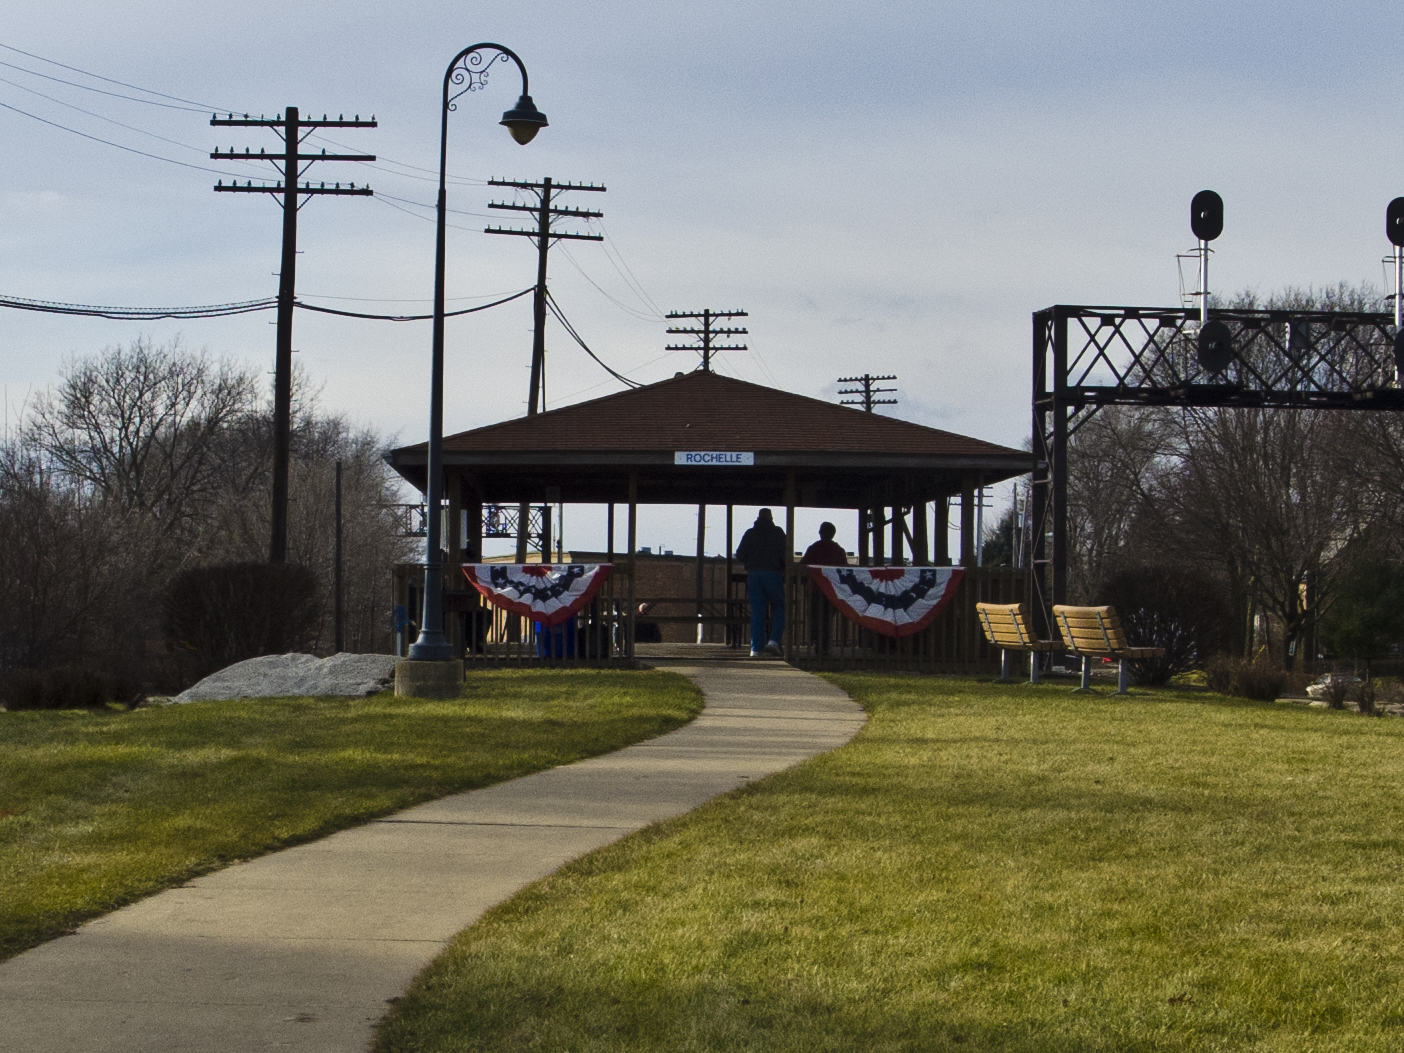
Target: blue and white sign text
point(713, 457)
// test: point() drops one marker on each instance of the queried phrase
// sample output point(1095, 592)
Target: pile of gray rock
point(281, 675)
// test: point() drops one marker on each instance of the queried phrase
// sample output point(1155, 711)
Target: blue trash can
point(557, 641)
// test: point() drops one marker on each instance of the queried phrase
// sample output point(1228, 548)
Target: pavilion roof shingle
point(707, 411)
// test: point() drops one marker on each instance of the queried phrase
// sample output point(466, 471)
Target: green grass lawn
point(98, 809)
point(984, 868)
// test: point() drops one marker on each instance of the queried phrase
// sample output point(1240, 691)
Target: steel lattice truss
point(498, 520)
point(1085, 358)
point(504, 521)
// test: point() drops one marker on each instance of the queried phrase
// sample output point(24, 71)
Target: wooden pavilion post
point(967, 522)
point(701, 542)
point(633, 533)
point(791, 606)
point(730, 635)
point(609, 532)
point(899, 528)
point(452, 533)
point(863, 537)
point(921, 548)
point(941, 531)
point(473, 550)
point(879, 515)
point(478, 626)
point(966, 647)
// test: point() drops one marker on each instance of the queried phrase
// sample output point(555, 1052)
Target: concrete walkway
point(302, 949)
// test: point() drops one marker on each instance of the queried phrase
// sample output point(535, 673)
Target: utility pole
point(867, 391)
point(545, 211)
point(339, 619)
point(708, 333)
point(291, 164)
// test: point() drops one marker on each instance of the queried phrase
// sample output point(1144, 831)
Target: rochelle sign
point(713, 457)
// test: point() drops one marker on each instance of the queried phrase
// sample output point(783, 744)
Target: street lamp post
point(467, 72)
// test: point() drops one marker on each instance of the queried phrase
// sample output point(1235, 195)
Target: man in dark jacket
point(826, 552)
point(763, 552)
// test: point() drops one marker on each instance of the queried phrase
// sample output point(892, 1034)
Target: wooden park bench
point(1096, 632)
point(1007, 627)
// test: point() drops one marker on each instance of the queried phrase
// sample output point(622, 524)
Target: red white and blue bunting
point(544, 592)
point(893, 601)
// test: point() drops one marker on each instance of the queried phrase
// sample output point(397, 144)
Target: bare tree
point(144, 461)
point(139, 427)
point(1115, 461)
point(1259, 493)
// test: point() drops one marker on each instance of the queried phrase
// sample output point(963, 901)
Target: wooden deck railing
point(817, 636)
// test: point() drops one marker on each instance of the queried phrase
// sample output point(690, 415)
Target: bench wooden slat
point(1097, 624)
point(1097, 631)
point(1006, 626)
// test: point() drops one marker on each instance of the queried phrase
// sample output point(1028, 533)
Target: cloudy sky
point(891, 186)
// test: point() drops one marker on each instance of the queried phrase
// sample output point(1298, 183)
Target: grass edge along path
point(100, 809)
point(982, 868)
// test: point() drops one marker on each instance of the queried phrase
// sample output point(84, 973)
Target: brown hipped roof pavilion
point(806, 452)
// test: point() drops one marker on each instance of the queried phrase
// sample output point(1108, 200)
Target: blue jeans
point(766, 587)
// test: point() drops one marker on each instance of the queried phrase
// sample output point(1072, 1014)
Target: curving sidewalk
point(302, 949)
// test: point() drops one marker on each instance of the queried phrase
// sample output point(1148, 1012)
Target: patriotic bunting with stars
point(893, 601)
point(544, 592)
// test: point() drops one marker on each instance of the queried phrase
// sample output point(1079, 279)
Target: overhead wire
point(431, 177)
point(99, 91)
point(139, 313)
point(585, 391)
point(98, 76)
point(109, 120)
point(119, 146)
point(630, 279)
point(617, 302)
point(413, 317)
point(455, 211)
point(221, 310)
point(560, 317)
point(392, 299)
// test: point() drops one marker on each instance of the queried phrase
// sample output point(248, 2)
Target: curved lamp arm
point(470, 68)
point(467, 72)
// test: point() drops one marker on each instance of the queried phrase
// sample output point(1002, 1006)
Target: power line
point(201, 107)
point(138, 313)
point(585, 391)
point(99, 91)
point(622, 268)
point(221, 310)
point(431, 208)
point(632, 311)
point(119, 146)
point(410, 317)
point(391, 299)
point(100, 117)
point(432, 177)
point(560, 317)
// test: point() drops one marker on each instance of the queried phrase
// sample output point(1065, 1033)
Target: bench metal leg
point(1004, 676)
point(1121, 677)
point(1033, 667)
point(1086, 674)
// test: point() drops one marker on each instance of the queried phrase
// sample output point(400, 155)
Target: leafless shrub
point(227, 613)
point(144, 462)
point(1261, 678)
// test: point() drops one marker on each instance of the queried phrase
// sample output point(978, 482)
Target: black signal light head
point(1207, 215)
point(1394, 221)
point(1215, 347)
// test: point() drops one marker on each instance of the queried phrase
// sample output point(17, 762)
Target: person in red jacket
point(826, 552)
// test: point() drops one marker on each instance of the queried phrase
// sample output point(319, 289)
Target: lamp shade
point(524, 120)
